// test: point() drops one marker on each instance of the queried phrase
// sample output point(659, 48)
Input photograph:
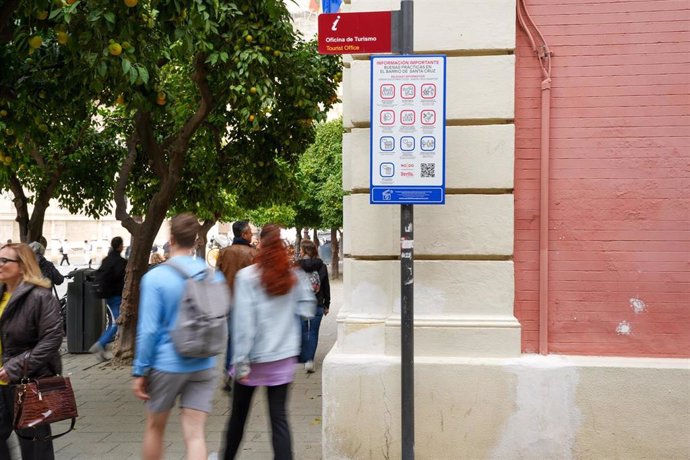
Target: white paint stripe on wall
point(546, 419)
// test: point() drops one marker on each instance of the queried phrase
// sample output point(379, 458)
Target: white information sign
point(408, 129)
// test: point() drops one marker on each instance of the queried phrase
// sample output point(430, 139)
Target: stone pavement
point(111, 419)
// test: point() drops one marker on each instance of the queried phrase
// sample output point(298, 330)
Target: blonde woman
point(29, 321)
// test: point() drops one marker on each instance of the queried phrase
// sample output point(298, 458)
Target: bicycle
point(214, 251)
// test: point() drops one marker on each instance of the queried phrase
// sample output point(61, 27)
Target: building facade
point(599, 287)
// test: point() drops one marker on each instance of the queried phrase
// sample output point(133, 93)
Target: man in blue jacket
point(161, 374)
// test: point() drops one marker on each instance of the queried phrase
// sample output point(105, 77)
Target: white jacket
point(267, 328)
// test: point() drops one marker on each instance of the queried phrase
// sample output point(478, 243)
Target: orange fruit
point(35, 42)
point(62, 37)
point(115, 49)
point(131, 3)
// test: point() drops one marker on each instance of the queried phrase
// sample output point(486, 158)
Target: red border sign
point(355, 33)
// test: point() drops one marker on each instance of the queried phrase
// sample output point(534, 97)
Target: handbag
point(43, 401)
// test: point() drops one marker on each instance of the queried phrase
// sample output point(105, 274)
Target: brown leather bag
point(43, 401)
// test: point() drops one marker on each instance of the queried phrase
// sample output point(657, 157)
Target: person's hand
point(4, 378)
point(325, 310)
point(139, 385)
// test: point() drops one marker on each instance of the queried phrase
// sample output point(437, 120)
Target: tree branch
point(121, 213)
point(153, 150)
point(180, 142)
point(35, 154)
point(20, 204)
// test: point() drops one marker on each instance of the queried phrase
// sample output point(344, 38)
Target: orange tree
point(50, 143)
point(203, 97)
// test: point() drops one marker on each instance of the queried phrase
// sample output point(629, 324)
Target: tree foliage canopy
point(319, 176)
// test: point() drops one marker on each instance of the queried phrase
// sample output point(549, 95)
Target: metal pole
point(407, 277)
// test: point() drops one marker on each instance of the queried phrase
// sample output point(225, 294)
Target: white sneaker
point(98, 350)
point(309, 367)
point(213, 456)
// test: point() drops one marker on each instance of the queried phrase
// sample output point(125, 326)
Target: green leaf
point(126, 65)
point(143, 74)
point(133, 75)
point(110, 17)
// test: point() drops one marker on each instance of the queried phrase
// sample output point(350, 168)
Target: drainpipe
point(544, 217)
point(541, 49)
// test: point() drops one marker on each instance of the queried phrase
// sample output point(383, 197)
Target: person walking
point(110, 277)
point(314, 266)
point(270, 296)
point(161, 374)
point(88, 252)
point(64, 250)
point(230, 260)
point(47, 268)
point(29, 322)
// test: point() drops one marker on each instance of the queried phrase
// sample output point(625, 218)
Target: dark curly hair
point(274, 263)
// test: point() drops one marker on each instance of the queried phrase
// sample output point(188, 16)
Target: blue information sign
point(408, 129)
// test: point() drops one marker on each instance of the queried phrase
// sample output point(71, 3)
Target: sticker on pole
point(408, 129)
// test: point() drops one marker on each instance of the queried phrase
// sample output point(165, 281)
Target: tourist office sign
point(355, 33)
point(408, 129)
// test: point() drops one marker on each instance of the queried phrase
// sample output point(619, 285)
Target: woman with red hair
point(270, 299)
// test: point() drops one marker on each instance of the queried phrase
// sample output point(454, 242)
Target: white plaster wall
point(466, 224)
point(478, 87)
point(477, 157)
point(473, 25)
point(465, 289)
point(532, 407)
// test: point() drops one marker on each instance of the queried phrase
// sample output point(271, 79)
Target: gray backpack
point(201, 329)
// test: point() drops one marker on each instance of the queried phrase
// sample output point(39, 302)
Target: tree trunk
point(315, 238)
point(167, 160)
point(298, 240)
point(203, 238)
point(137, 264)
point(21, 205)
point(35, 228)
point(335, 254)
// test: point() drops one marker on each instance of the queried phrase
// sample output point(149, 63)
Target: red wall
point(620, 178)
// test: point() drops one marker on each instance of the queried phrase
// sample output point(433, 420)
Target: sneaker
point(309, 367)
point(227, 384)
point(98, 350)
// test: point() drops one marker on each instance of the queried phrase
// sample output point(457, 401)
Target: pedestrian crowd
point(260, 311)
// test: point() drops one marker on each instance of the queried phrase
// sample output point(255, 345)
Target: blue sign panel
point(408, 129)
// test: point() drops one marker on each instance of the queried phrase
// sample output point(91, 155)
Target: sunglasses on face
point(4, 260)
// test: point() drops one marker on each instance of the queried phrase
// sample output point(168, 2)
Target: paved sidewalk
point(111, 421)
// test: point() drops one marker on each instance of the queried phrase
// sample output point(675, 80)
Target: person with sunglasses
point(29, 321)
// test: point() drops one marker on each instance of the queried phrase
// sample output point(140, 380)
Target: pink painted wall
point(620, 178)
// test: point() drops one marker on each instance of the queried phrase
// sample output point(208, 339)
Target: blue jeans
point(109, 334)
point(310, 336)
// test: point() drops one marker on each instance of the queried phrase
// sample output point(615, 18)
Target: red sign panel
point(354, 33)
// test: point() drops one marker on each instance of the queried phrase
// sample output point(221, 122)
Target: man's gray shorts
point(194, 388)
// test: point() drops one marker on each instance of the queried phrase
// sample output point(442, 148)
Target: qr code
point(428, 169)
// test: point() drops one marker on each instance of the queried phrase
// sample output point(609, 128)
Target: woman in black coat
point(29, 322)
